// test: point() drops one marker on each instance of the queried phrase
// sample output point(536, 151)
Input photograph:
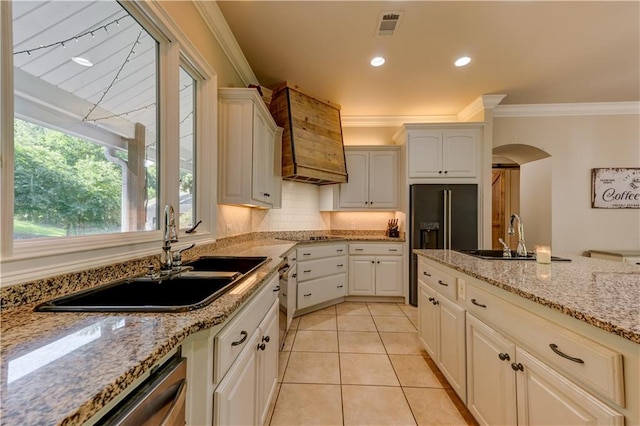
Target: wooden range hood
point(312, 146)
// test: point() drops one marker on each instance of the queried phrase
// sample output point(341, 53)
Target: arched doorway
point(521, 183)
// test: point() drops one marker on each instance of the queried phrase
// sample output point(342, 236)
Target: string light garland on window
point(122, 113)
point(126, 61)
point(61, 43)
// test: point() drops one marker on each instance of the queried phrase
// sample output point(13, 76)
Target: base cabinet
point(375, 269)
point(507, 385)
point(441, 324)
point(441, 331)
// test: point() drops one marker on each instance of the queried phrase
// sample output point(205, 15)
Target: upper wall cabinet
point(373, 181)
point(443, 152)
point(249, 151)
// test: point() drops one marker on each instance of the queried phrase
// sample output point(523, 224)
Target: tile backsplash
point(299, 212)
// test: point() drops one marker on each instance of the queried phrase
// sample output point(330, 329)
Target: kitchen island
point(561, 340)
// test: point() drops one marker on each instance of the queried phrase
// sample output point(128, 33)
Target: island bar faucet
point(522, 249)
point(170, 236)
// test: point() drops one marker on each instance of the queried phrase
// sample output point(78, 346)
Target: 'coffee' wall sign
point(616, 188)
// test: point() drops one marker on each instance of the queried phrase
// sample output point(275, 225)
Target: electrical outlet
point(462, 289)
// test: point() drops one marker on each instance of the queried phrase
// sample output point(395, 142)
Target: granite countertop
point(621, 253)
point(602, 293)
point(61, 368)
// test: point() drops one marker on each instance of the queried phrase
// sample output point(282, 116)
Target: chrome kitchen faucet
point(522, 249)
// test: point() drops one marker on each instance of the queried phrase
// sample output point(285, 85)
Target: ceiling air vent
point(388, 23)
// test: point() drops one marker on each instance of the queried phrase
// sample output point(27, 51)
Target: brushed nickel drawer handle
point(555, 349)
point(478, 304)
point(241, 341)
point(443, 283)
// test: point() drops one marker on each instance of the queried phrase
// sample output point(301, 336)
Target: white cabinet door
point(362, 276)
point(428, 329)
point(235, 397)
point(383, 179)
point(452, 361)
point(248, 160)
point(388, 277)
point(262, 173)
point(459, 154)
point(267, 364)
point(425, 153)
point(355, 193)
point(545, 397)
point(491, 386)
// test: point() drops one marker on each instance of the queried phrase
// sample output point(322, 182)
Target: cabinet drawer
point(439, 280)
point(321, 267)
point(321, 290)
point(590, 363)
point(376, 249)
point(320, 251)
point(235, 335)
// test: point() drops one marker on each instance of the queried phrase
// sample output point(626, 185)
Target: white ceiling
point(536, 52)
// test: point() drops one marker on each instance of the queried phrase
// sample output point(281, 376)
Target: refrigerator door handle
point(445, 231)
point(449, 219)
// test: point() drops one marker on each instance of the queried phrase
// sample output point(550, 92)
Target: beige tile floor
point(361, 364)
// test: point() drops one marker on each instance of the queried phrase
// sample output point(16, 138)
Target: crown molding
point(393, 120)
point(567, 109)
point(213, 17)
point(478, 105)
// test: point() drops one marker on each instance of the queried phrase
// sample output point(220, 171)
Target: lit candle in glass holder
point(543, 254)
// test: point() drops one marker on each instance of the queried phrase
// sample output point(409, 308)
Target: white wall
point(535, 206)
point(576, 145)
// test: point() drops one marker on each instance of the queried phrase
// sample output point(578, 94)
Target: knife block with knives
point(392, 228)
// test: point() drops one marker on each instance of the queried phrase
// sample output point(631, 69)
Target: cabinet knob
point(446, 171)
point(261, 346)
point(440, 171)
point(373, 261)
point(516, 366)
point(266, 339)
point(431, 299)
point(378, 261)
point(504, 357)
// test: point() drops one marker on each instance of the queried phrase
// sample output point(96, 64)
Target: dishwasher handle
point(176, 414)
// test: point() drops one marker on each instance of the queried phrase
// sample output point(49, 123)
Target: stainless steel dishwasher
point(158, 401)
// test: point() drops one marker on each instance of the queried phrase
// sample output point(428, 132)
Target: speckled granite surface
point(61, 368)
point(602, 293)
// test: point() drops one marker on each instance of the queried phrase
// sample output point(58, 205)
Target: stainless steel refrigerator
point(441, 217)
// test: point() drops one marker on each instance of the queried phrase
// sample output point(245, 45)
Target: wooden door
point(498, 199)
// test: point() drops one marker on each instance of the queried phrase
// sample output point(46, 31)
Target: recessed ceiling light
point(82, 61)
point(377, 61)
point(462, 61)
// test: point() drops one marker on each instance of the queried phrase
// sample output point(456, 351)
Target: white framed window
point(105, 105)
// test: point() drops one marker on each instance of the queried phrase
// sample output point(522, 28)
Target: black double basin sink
point(499, 255)
point(204, 280)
